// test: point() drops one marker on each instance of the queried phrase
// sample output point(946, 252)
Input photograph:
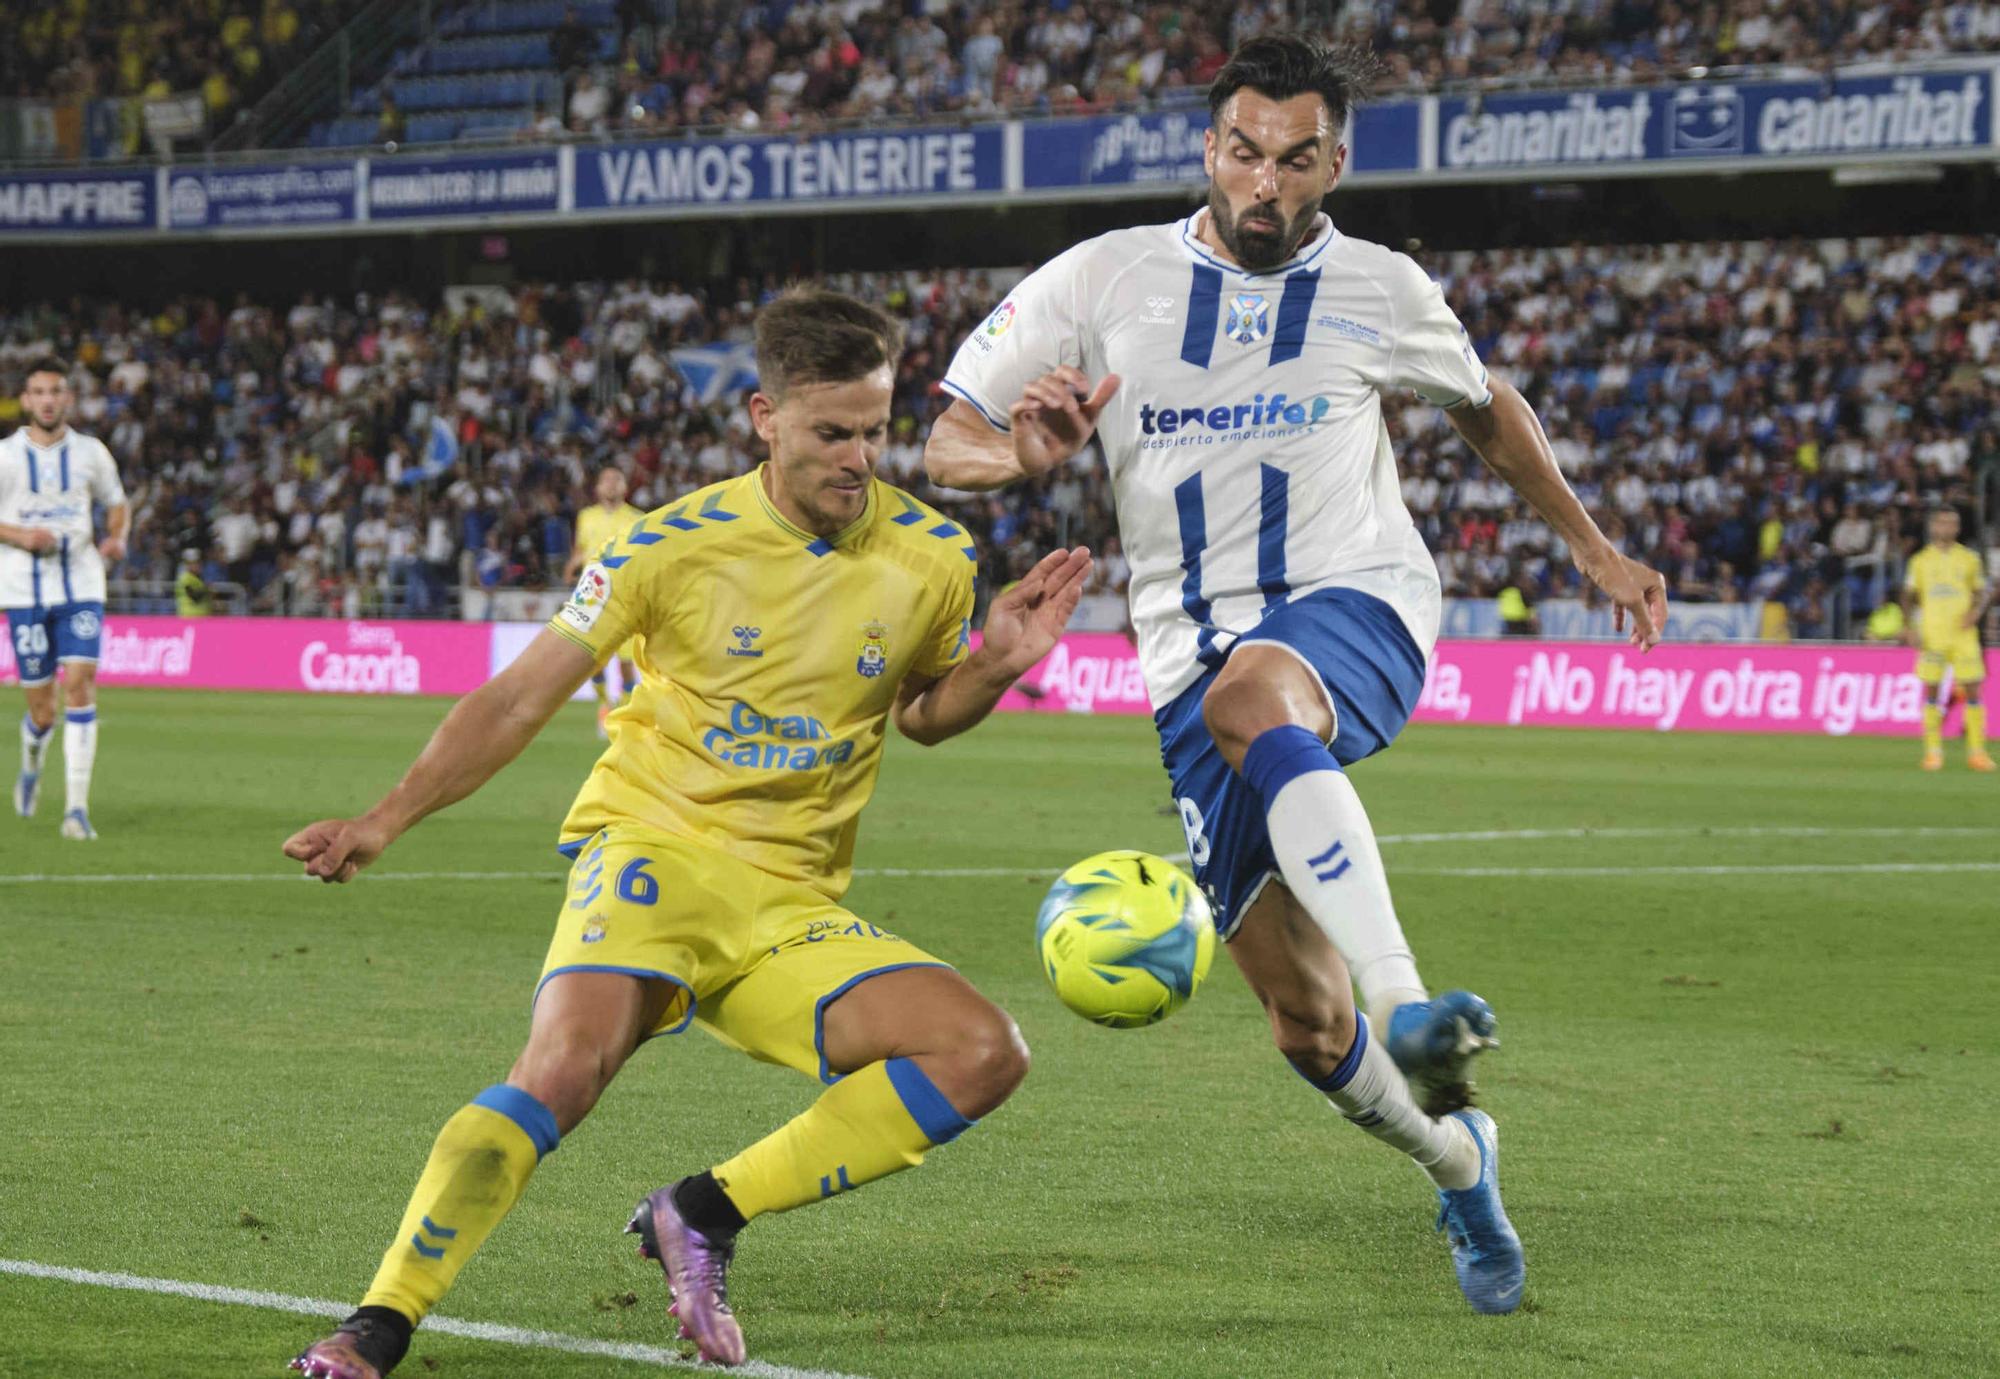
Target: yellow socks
point(477, 1170)
point(1933, 728)
point(1975, 730)
point(868, 1125)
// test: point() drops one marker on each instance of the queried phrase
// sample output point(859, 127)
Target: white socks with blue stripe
point(1369, 1090)
point(1326, 849)
point(34, 745)
point(79, 755)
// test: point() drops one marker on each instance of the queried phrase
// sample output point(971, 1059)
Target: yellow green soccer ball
point(1125, 938)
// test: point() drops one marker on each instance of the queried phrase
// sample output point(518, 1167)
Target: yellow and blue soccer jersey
point(596, 525)
point(1946, 583)
point(771, 661)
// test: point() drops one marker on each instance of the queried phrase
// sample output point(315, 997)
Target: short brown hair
point(811, 335)
point(48, 363)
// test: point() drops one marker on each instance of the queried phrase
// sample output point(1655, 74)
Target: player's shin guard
point(79, 755)
point(1933, 727)
point(34, 745)
point(1975, 730)
point(871, 1123)
point(477, 1171)
point(1325, 847)
point(1369, 1090)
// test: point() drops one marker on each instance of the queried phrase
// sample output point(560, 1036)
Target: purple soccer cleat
point(366, 1346)
point(697, 1270)
point(335, 1358)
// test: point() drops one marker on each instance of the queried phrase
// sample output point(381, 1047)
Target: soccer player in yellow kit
point(788, 614)
point(602, 522)
point(1944, 596)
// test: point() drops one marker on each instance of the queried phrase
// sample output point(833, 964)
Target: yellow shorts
point(757, 958)
point(1961, 652)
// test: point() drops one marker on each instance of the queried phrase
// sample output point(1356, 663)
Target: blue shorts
point(1373, 673)
point(43, 636)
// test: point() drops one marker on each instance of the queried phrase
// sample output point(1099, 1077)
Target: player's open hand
point(335, 849)
point(1024, 622)
point(1055, 416)
point(1638, 591)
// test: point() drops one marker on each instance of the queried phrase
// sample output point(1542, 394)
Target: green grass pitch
point(1746, 1114)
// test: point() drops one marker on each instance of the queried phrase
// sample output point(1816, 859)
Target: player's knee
point(991, 1058)
point(566, 1072)
point(1235, 711)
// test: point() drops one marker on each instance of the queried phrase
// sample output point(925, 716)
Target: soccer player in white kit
point(1285, 603)
point(52, 582)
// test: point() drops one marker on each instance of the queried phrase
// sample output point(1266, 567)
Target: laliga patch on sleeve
point(587, 600)
point(995, 326)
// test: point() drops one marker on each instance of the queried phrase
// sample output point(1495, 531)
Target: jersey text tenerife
point(771, 661)
point(54, 488)
point(1247, 450)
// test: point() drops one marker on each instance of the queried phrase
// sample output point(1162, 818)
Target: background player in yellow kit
point(1944, 596)
point(787, 615)
point(605, 520)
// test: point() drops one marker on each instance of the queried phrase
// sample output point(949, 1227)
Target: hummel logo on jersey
point(1249, 318)
point(746, 638)
point(1159, 312)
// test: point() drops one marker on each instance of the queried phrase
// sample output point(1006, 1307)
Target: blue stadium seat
point(434, 129)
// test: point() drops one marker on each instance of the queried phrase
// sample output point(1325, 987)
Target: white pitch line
point(1507, 835)
point(477, 1331)
point(1776, 869)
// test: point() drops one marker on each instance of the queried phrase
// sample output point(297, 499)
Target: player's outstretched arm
point(482, 733)
point(1052, 420)
point(1022, 626)
point(1509, 437)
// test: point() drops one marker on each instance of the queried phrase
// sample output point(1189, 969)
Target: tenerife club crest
point(874, 657)
point(1249, 318)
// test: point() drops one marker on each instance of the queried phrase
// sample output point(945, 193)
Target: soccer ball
point(1125, 938)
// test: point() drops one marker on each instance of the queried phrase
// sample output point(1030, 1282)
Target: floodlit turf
point(1746, 1117)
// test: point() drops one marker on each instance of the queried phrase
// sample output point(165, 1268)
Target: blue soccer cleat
point(27, 791)
point(76, 825)
point(1484, 1249)
point(1434, 1042)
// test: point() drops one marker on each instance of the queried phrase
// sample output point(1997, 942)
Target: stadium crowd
point(230, 51)
point(774, 66)
point(1760, 421)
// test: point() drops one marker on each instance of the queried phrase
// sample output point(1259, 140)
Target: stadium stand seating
point(1803, 403)
point(781, 65)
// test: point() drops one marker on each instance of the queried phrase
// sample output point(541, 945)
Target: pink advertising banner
point(310, 654)
point(1688, 686)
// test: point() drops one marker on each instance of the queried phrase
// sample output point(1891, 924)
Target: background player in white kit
point(1285, 603)
point(52, 582)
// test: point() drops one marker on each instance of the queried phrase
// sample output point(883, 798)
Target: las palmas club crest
point(1249, 318)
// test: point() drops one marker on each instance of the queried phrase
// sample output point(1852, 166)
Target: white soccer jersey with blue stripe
point(54, 487)
point(1248, 454)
